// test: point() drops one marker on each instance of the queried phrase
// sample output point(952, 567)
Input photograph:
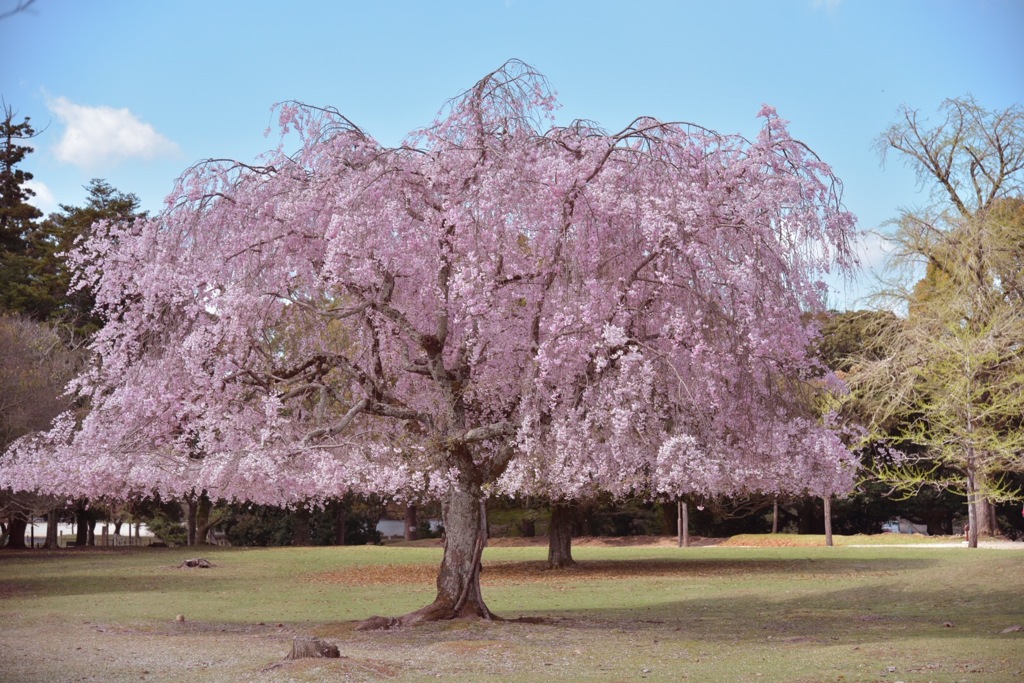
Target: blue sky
point(135, 91)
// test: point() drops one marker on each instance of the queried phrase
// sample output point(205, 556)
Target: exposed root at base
point(430, 613)
point(379, 624)
point(389, 623)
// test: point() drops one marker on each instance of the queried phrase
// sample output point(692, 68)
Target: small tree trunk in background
point(775, 516)
point(560, 537)
point(300, 527)
point(934, 519)
point(828, 520)
point(16, 531)
point(686, 524)
point(410, 523)
point(80, 535)
point(987, 524)
point(679, 523)
point(191, 520)
point(82, 518)
point(340, 518)
point(683, 523)
point(203, 509)
point(52, 536)
point(972, 508)
point(527, 527)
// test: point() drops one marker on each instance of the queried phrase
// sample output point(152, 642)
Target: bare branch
point(19, 6)
point(339, 427)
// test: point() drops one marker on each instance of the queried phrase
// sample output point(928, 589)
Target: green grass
point(629, 613)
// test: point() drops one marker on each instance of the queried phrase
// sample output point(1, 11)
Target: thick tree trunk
point(410, 523)
point(458, 581)
point(560, 537)
point(16, 531)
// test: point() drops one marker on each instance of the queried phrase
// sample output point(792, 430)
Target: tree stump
point(195, 563)
point(312, 647)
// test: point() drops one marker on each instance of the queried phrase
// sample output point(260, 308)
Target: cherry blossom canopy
point(500, 303)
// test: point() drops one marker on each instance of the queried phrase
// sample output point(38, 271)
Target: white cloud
point(874, 250)
point(98, 135)
point(44, 199)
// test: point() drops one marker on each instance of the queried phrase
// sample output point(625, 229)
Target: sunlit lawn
point(629, 613)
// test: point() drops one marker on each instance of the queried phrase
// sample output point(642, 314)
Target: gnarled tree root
point(437, 611)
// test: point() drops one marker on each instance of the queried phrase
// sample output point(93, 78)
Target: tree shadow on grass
point(99, 580)
point(497, 573)
point(858, 614)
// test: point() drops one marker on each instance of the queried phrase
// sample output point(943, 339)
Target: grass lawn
point(716, 613)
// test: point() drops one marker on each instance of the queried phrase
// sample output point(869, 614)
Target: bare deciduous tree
point(947, 393)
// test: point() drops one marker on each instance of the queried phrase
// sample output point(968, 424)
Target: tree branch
point(491, 431)
point(359, 407)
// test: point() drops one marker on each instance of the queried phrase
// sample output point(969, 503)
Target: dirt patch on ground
point(775, 541)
